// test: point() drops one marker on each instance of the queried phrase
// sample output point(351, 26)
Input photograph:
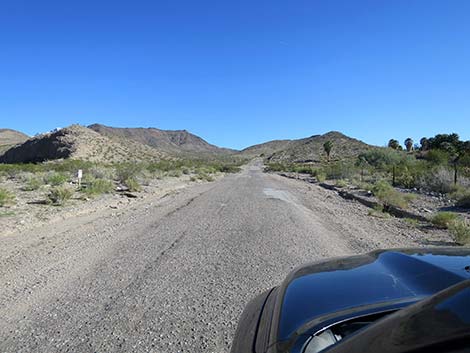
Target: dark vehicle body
point(401, 300)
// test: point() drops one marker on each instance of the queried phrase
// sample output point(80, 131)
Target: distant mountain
point(78, 142)
point(9, 138)
point(266, 149)
point(171, 142)
point(311, 149)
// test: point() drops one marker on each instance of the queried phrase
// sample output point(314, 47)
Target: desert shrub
point(100, 172)
point(132, 184)
point(460, 230)
point(341, 183)
point(175, 173)
point(463, 199)
point(276, 167)
point(55, 179)
point(389, 196)
point(229, 169)
point(127, 171)
point(439, 179)
point(59, 195)
point(6, 197)
point(33, 183)
point(443, 219)
point(437, 157)
point(339, 170)
point(320, 175)
point(186, 171)
point(99, 186)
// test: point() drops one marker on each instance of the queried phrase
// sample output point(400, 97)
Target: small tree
point(409, 144)
point(327, 146)
point(424, 144)
point(394, 144)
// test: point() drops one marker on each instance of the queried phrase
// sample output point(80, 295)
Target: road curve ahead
point(172, 275)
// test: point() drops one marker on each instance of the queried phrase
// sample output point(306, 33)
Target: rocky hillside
point(78, 142)
point(10, 138)
point(311, 149)
point(266, 149)
point(171, 142)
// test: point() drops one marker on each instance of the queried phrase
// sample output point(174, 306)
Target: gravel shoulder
point(173, 273)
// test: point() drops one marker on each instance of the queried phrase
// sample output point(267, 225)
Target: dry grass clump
point(6, 198)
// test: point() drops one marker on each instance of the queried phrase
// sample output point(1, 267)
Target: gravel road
point(173, 274)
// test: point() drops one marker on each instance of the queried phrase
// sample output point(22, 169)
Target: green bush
point(132, 184)
point(55, 179)
point(443, 219)
point(175, 173)
point(389, 196)
point(320, 175)
point(460, 230)
point(127, 171)
point(99, 186)
point(59, 195)
point(463, 200)
point(32, 184)
point(6, 198)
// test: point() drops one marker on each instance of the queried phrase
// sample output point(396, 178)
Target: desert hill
point(311, 149)
point(10, 138)
point(78, 142)
point(266, 149)
point(171, 142)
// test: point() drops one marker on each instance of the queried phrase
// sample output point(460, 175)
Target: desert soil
point(172, 272)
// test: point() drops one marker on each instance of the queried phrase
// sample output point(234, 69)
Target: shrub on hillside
point(127, 171)
point(460, 230)
point(132, 184)
point(389, 196)
point(463, 199)
point(59, 195)
point(443, 219)
point(99, 186)
point(33, 183)
point(6, 197)
point(55, 179)
point(439, 179)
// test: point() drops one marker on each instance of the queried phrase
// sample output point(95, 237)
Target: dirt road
point(173, 274)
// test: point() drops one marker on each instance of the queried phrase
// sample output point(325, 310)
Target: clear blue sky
point(239, 72)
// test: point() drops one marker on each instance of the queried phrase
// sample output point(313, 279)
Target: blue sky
point(239, 72)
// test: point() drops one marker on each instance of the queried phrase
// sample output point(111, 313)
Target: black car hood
point(382, 276)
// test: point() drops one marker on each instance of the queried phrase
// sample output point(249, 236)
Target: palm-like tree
point(327, 146)
point(394, 144)
point(409, 144)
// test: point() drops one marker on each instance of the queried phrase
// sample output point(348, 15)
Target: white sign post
point(79, 176)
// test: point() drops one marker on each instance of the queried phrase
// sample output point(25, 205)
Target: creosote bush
point(443, 219)
point(55, 179)
point(460, 230)
point(99, 186)
point(59, 195)
point(389, 196)
point(33, 183)
point(463, 200)
point(6, 197)
point(132, 184)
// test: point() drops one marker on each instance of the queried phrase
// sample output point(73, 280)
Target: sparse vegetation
point(443, 219)
point(460, 230)
point(6, 198)
point(59, 195)
point(32, 183)
point(98, 187)
point(463, 199)
point(389, 196)
point(55, 179)
point(133, 185)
